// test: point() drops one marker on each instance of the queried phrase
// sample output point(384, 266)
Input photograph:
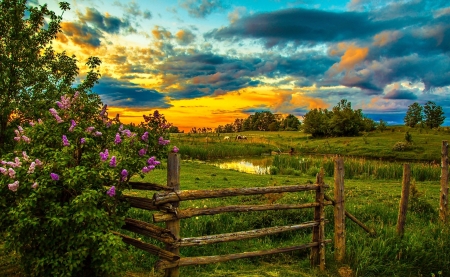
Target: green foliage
point(408, 137)
point(401, 146)
point(414, 115)
point(341, 121)
point(434, 115)
point(55, 202)
point(32, 74)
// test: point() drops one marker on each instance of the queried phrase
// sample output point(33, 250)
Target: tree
point(290, 123)
point(345, 121)
point(414, 115)
point(434, 115)
point(32, 75)
point(316, 122)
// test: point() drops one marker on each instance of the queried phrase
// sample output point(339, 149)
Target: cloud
point(201, 8)
point(106, 23)
point(303, 26)
point(400, 94)
point(352, 56)
point(236, 14)
point(161, 33)
point(132, 10)
point(80, 34)
point(122, 93)
point(184, 37)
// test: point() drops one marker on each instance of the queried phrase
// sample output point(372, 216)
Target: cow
point(239, 137)
point(227, 138)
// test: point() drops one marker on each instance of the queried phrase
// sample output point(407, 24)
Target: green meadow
point(372, 193)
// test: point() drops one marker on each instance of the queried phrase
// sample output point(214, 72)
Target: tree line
point(429, 115)
point(260, 121)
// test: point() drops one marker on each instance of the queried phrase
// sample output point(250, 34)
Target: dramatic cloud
point(303, 26)
point(184, 37)
point(80, 34)
point(133, 10)
point(123, 93)
point(106, 23)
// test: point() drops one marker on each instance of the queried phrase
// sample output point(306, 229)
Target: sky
point(204, 63)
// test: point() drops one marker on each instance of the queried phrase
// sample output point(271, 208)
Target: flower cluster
point(151, 164)
point(162, 141)
point(20, 136)
point(56, 115)
point(7, 169)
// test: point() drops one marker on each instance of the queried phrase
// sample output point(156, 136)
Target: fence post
point(443, 206)
point(339, 210)
point(318, 252)
point(403, 207)
point(173, 180)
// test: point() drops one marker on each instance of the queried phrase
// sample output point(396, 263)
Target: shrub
point(61, 190)
point(401, 146)
point(273, 170)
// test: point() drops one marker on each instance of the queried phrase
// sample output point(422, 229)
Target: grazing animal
point(239, 137)
point(226, 138)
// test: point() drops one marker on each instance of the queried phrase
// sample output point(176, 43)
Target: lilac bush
point(64, 192)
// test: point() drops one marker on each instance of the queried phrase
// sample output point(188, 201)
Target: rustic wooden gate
point(166, 202)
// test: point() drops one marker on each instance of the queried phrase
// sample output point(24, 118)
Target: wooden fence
point(166, 204)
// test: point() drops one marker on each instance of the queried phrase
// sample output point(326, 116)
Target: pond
point(247, 165)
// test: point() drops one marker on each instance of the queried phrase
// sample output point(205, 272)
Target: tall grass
point(355, 168)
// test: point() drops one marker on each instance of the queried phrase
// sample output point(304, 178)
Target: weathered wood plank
point(242, 235)
point(166, 197)
point(163, 264)
point(403, 205)
point(443, 204)
point(173, 181)
point(149, 230)
point(163, 254)
point(141, 203)
point(339, 210)
point(149, 186)
point(191, 212)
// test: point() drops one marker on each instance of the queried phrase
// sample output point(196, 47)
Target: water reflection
point(253, 166)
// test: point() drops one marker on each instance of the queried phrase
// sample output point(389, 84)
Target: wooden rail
point(165, 203)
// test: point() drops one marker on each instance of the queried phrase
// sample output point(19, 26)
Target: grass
point(426, 144)
point(374, 201)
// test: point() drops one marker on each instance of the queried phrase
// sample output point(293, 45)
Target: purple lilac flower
point(38, 162)
point(26, 139)
point(14, 186)
point(108, 124)
point(31, 168)
point(40, 121)
point(17, 162)
point(112, 162)
point(112, 191)
point(72, 125)
point(127, 132)
point(3, 171)
point(34, 186)
point(65, 141)
point(65, 102)
point(153, 161)
point(117, 140)
point(162, 141)
point(97, 134)
point(175, 149)
point(90, 129)
point(147, 169)
point(20, 129)
point(145, 136)
point(75, 96)
point(82, 140)
point(142, 152)
point(124, 174)
point(103, 111)
point(54, 176)
point(55, 114)
point(31, 123)
point(121, 128)
point(25, 156)
point(104, 155)
point(11, 173)
point(17, 138)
